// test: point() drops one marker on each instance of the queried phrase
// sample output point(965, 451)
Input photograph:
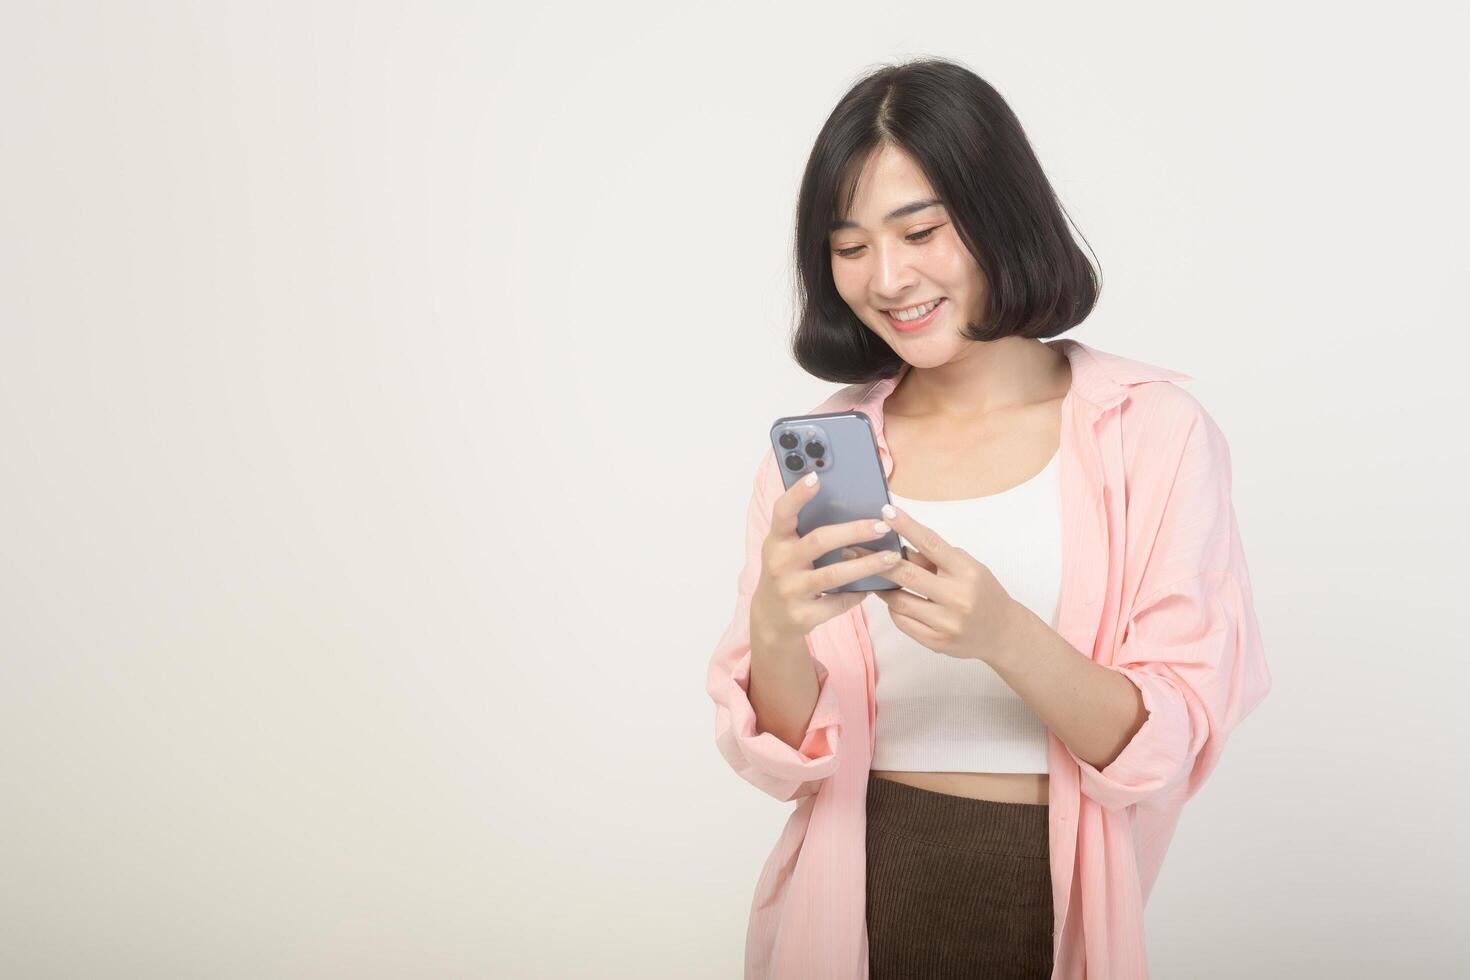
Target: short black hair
point(972, 149)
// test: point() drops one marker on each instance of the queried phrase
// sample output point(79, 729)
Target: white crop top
point(937, 713)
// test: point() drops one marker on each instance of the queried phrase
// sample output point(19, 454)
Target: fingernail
point(881, 528)
point(888, 511)
point(811, 479)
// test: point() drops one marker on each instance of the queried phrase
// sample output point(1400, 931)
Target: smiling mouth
point(912, 307)
point(916, 322)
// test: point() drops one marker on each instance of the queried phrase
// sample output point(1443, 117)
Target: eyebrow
point(907, 209)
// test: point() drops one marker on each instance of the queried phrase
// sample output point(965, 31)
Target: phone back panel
point(841, 449)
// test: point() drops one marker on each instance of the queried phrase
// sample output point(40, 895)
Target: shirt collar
point(1099, 378)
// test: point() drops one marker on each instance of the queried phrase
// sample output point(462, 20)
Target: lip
point(913, 326)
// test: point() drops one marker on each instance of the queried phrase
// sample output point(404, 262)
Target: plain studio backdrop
point(381, 388)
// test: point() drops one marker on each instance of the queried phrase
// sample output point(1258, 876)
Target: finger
point(857, 551)
point(868, 531)
point(913, 555)
point(940, 552)
point(835, 605)
point(911, 574)
point(844, 572)
point(927, 612)
point(907, 612)
point(790, 503)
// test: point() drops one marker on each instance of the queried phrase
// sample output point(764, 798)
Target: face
point(891, 257)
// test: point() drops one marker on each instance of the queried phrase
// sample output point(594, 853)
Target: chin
point(929, 358)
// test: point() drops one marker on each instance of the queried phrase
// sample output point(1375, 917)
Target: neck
point(986, 377)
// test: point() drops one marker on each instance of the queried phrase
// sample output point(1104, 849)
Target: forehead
point(875, 186)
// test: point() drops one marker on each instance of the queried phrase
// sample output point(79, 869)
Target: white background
point(381, 387)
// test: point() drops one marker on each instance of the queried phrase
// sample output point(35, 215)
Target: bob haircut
point(971, 148)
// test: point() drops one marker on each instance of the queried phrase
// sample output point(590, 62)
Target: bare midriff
point(1002, 787)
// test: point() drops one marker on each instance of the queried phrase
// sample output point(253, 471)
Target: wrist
point(776, 642)
point(767, 626)
point(1013, 638)
point(765, 638)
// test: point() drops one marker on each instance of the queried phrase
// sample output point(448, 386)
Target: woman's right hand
point(787, 603)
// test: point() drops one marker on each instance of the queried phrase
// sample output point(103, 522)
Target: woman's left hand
point(968, 614)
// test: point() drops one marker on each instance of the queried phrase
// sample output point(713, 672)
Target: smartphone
point(841, 449)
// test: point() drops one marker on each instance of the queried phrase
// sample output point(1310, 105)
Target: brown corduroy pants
point(956, 888)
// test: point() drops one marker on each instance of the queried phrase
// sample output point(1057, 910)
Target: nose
point(893, 278)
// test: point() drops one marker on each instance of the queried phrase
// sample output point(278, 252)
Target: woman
point(990, 760)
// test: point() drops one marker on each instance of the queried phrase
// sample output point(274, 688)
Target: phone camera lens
point(815, 449)
point(795, 462)
point(788, 440)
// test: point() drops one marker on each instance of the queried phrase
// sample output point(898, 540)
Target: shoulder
point(1163, 423)
point(842, 399)
point(1161, 409)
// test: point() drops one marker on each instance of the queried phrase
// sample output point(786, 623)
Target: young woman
point(989, 761)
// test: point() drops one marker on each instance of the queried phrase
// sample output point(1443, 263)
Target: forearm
point(783, 687)
point(1095, 711)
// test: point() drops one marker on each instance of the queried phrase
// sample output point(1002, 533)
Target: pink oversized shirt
point(1154, 586)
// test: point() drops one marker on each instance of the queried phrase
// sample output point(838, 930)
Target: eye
point(918, 236)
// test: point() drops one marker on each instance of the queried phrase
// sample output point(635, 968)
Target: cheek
point(956, 264)
point(846, 283)
point(960, 267)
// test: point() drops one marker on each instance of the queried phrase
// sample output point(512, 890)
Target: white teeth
point(915, 313)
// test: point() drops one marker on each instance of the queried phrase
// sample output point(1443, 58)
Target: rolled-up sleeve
point(761, 758)
point(1192, 646)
